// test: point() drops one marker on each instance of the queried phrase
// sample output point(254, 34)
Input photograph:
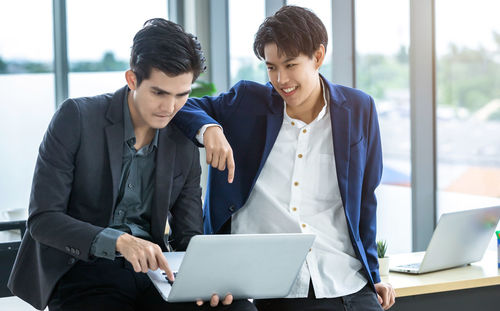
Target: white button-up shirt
point(298, 191)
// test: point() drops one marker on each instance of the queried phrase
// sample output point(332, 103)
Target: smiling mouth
point(289, 90)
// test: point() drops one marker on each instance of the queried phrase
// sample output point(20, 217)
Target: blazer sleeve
point(208, 110)
point(48, 221)
point(186, 212)
point(371, 179)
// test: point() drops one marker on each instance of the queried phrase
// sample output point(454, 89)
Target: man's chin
point(160, 125)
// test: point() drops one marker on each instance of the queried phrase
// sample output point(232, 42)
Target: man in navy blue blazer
point(302, 155)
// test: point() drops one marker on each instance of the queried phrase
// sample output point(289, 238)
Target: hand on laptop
point(214, 301)
point(142, 254)
point(219, 152)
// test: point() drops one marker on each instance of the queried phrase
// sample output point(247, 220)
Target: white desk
point(460, 287)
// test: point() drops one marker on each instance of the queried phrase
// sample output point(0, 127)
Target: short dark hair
point(294, 30)
point(164, 45)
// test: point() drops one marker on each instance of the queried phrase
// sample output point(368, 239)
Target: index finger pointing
point(163, 264)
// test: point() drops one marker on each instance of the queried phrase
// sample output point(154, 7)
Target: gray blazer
point(75, 187)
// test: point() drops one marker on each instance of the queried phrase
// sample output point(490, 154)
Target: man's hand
point(386, 294)
point(142, 254)
point(214, 301)
point(219, 152)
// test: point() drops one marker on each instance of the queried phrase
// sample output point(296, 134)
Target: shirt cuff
point(104, 244)
point(201, 131)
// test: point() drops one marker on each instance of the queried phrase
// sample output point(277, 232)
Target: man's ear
point(131, 79)
point(319, 56)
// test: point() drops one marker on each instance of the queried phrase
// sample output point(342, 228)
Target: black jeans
point(363, 300)
point(114, 285)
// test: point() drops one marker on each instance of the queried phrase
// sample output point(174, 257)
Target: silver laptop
point(459, 239)
point(245, 265)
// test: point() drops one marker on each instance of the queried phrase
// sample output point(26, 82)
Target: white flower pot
point(383, 266)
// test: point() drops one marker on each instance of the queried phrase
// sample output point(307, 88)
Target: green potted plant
point(383, 260)
point(201, 88)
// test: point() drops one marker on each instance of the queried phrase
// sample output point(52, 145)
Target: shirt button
point(304, 131)
point(294, 209)
point(130, 186)
point(310, 249)
point(293, 123)
point(296, 183)
point(120, 212)
point(303, 225)
point(300, 155)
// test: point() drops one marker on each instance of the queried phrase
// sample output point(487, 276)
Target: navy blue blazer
point(75, 189)
point(251, 115)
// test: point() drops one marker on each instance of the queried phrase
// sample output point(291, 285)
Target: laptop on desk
point(245, 265)
point(459, 239)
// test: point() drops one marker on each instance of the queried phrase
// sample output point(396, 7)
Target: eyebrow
point(160, 90)
point(284, 62)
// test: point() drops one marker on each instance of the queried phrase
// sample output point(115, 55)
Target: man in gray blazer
point(102, 208)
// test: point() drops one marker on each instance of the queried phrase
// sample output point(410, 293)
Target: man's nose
point(282, 77)
point(168, 105)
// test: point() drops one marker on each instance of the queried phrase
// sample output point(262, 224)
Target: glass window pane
point(382, 70)
point(323, 9)
point(244, 20)
point(26, 97)
point(99, 43)
point(468, 104)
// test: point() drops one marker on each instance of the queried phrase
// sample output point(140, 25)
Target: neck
point(310, 109)
point(143, 137)
point(143, 133)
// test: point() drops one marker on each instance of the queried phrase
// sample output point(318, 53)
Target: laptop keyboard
point(169, 282)
point(411, 266)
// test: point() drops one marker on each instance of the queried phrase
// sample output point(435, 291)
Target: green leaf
point(202, 88)
point(381, 248)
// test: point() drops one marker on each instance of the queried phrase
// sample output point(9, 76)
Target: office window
point(382, 70)
point(323, 9)
point(26, 97)
point(244, 20)
point(468, 104)
point(99, 42)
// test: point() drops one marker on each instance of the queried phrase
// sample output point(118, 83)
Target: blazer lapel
point(340, 117)
point(274, 121)
point(114, 139)
point(341, 122)
point(165, 165)
point(114, 136)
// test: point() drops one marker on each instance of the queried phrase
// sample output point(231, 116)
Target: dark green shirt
point(135, 195)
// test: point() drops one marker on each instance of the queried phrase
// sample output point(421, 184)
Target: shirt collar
point(127, 121)
point(322, 113)
point(154, 142)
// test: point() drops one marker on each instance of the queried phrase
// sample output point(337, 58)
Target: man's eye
point(290, 65)
point(270, 68)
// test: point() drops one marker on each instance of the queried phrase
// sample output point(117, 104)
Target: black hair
point(294, 30)
point(164, 45)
